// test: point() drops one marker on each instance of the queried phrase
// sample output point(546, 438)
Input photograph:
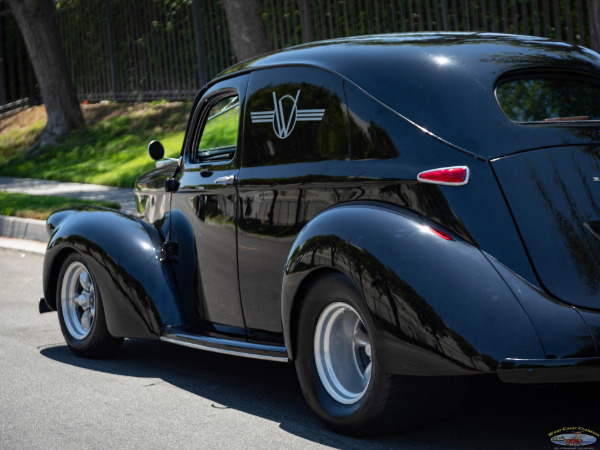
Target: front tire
point(80, 311)
point(339, 371)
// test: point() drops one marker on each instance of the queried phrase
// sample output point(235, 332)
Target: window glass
point(219, 137)
point(295, 115)
point(550, 99)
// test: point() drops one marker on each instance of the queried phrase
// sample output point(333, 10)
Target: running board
point(227, 346)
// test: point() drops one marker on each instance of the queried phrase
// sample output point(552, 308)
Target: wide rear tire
point(340, 374)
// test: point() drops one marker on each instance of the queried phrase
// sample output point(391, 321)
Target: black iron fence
point(322, 19)
point(150, 49)
point(147, 49)
point(17, 80)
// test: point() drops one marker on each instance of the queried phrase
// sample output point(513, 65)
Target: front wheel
point(80, 311)
point(339, 372)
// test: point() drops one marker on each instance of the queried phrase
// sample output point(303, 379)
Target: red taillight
point(450, 176)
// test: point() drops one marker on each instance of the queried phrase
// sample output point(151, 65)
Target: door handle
point(229, 179)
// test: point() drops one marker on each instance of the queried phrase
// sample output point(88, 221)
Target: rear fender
point(438, 305)
point(125, 256)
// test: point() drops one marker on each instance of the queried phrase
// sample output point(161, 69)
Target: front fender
point(124, 255)
point(438, 305)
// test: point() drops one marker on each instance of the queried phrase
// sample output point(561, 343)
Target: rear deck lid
point(554, 195)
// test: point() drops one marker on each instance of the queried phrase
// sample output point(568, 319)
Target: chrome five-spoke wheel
point(81, 311)
point(342, 350)
point(78, 300)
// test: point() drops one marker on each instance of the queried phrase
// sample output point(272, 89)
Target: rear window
point(550, 99)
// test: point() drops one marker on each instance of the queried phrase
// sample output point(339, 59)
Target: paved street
point(155, 395)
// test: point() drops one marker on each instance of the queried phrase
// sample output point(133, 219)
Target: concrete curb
point(16, 227)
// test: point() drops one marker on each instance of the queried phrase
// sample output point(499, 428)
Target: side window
point(293, 115)
point(219, 136)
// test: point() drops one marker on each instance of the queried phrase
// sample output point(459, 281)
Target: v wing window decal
point(284, 117)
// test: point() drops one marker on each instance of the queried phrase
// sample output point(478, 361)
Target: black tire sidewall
point(356, 418)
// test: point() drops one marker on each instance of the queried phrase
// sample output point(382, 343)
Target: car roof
point(443, 82)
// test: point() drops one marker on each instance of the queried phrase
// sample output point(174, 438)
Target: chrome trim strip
point(542, 371)
point(236, 347)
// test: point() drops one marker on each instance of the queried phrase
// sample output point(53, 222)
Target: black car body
point(444, 186)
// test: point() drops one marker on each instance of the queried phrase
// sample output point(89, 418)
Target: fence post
point(111, 50)
point(198, 41)
point(3, 99)
point(593, 10)
point(305, 21)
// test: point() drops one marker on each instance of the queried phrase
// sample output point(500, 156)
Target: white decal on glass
point(283, 124)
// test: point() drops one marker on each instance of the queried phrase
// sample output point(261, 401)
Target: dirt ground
point(22, 119)
point(92, 113)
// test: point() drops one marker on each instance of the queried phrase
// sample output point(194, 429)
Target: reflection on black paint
point(370, 126)
point(552, 194)
point(265, 215)
point(397, 307)
point(371, 141)
point(577, 239)
point(427, 200)
point(119, 286)
point(150, 195)
point(281, 213)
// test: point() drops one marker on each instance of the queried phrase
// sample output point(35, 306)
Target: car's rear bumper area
point(566, 370)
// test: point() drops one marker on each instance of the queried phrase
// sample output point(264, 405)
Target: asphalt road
point(154, 395)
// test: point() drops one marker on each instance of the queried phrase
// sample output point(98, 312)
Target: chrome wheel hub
point(78, 300)
point(343, 353)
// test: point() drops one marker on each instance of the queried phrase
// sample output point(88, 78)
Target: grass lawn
point(111, 150)
point(41, 206)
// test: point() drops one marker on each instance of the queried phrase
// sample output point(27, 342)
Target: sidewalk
point(23, 230)
point(76, 190)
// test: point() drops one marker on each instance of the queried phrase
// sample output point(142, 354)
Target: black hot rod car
point(391, 213)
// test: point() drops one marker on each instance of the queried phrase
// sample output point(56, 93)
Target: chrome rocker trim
point(228, 346)
point(566, 370)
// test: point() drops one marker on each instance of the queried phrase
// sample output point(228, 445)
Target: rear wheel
point(339, 372)
point(80, 311)
point(342, 350)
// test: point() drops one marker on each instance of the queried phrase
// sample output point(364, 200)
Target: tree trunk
point(37, 22)
point(594, 24)
point(248, 35)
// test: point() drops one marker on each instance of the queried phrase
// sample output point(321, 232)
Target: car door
point(295, 154)
point(203, 212)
